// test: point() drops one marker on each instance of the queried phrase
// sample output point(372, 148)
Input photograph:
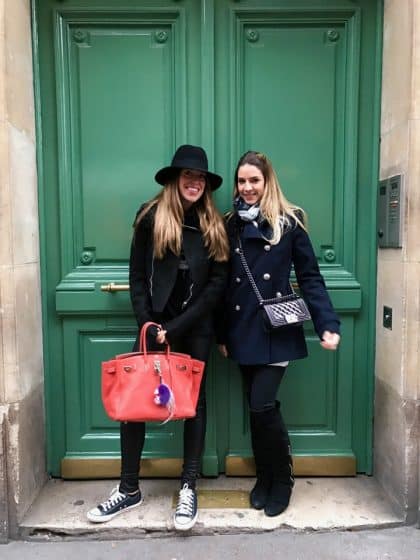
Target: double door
point(120, 86)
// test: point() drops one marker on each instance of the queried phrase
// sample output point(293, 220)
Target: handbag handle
point(143, 333)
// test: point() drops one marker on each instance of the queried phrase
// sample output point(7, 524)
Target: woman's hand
point(161, 337)
point(330, 340)
point(223, 350)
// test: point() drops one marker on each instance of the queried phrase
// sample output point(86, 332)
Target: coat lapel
point(251, 232)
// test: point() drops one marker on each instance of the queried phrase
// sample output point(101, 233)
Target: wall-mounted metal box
point(390, 212)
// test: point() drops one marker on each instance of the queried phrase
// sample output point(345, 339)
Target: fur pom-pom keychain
point(165, 397)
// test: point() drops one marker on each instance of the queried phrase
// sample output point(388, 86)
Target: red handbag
point(151, 386)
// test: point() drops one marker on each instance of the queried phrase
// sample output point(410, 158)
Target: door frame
point(368, 146)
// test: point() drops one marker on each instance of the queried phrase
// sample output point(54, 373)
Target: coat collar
point(248, 230)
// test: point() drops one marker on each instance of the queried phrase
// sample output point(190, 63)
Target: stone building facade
point(397, 372)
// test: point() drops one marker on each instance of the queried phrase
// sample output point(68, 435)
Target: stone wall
point(397, 405)
point(397, 408)
point(22, 470)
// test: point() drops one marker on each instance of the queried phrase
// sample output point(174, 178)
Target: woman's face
point(251, 183)
point(191, 186)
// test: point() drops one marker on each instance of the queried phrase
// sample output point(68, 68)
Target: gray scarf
point(246, 212)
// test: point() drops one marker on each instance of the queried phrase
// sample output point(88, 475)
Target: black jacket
point(246, 336)
point(152, 281)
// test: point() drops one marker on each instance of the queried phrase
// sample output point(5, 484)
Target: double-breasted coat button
point(237, 280)
point(278, 294)
point(237, 307)
point(267, 247)
point(266, 276)
point(237, 250)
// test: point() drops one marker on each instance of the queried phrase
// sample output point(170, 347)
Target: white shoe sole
point(103, 519)
point(185, 526)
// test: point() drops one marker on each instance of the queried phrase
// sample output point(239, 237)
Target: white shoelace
point(113, 500)
point(185, 502)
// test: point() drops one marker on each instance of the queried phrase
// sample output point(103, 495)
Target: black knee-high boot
point(282, 481)
point(259, 493)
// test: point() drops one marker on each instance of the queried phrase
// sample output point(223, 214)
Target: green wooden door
point(118, 89)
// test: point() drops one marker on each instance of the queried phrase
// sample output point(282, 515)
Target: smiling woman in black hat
point(178, 272)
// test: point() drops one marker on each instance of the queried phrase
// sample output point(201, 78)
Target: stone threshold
point(318, 504)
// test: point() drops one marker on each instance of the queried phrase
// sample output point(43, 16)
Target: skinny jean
point(132, 434)
point(261, 383)
point(269, 435)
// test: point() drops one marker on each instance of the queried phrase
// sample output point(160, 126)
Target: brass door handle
point(111, 287)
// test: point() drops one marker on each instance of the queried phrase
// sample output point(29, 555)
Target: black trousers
point(269, 435)
point(132, 434)
point(261, 383)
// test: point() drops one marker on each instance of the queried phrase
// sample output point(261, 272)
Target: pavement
point(328, 519)
point(400, 543)
point(318, 504)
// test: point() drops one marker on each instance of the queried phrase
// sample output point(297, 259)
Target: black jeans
point(261, 383)
point(133, 433)
point(269, 436)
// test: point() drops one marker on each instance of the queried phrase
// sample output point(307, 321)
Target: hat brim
point(166, 174)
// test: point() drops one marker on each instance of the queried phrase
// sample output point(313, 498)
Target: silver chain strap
point(248, 273)
point(257, 292)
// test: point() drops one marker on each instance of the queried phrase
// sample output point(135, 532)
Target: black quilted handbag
point(286, 310)
point(280, 311)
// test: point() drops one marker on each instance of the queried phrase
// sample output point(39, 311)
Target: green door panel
point(121, 107)
point(88, 342)
point(115, 61)
point(315, 397)
point(303, 154)
point(93, 299)
point(292, 95)
point(118, 88)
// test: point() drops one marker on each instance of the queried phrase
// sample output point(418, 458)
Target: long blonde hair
point(167, 229)
point(274, 206)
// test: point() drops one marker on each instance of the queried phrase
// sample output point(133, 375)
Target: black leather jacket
point(152, 280)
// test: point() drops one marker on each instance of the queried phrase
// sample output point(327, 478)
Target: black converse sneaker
point(116, 503)
point(186, 511)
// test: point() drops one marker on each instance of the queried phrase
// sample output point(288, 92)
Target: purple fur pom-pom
point(164, 393)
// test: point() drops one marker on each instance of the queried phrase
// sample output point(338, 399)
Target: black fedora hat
point(188, 157)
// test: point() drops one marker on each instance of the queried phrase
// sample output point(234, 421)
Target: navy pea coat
point(246, 336)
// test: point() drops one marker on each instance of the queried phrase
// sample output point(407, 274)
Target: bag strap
point(254, 286)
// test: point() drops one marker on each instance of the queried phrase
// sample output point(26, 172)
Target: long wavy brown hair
point(167, 229)
point(274, 206)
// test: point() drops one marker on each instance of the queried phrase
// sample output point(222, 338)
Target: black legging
point(261, 383)
point(132, 434)
point(269, 436)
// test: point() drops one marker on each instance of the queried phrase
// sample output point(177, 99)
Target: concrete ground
point(318, 504)
point(401, 543)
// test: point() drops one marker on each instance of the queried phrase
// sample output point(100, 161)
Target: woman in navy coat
point(273, 237)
